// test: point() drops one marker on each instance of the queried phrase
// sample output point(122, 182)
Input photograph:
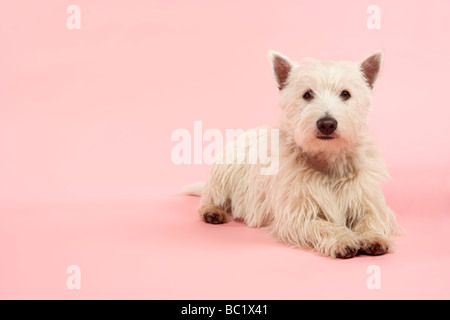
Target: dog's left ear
point(281, 67)
point(371, 66)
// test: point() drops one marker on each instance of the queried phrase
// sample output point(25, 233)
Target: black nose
point(326, 125)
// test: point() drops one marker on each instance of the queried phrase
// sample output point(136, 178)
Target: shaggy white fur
point(326, 193)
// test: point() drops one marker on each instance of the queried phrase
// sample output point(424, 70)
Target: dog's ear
point(281, 67)
point(371, 66)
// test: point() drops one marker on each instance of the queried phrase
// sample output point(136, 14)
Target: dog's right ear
point(281, 67)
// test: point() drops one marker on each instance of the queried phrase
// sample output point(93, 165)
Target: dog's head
point(325, 104)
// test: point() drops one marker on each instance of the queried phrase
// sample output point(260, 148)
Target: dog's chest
point(338, 199)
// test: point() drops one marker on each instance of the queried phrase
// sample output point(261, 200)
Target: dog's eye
point(308, 96)
point(345, 95)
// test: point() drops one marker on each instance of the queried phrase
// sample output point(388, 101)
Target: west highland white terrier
point(326, 193)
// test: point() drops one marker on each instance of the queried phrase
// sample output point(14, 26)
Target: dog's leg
point(331, 239)
point(372, 231)
point(327, 238)
point(378, 224)
point(212, 213)
point(214, 205)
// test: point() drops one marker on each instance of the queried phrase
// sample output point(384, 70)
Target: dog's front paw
point(346, 246)
point(375, 245)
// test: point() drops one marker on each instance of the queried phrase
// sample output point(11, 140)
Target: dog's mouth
point(324, 137)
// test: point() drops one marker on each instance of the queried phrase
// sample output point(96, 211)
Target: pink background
point(86, 118)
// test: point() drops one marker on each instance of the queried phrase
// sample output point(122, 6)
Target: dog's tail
point(194, 189)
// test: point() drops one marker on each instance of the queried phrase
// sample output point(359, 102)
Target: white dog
point(326, 193)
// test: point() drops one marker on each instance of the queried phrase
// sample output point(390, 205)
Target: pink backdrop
point(86, 118)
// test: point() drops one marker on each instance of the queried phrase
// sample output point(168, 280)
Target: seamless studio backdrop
point(87, 177)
